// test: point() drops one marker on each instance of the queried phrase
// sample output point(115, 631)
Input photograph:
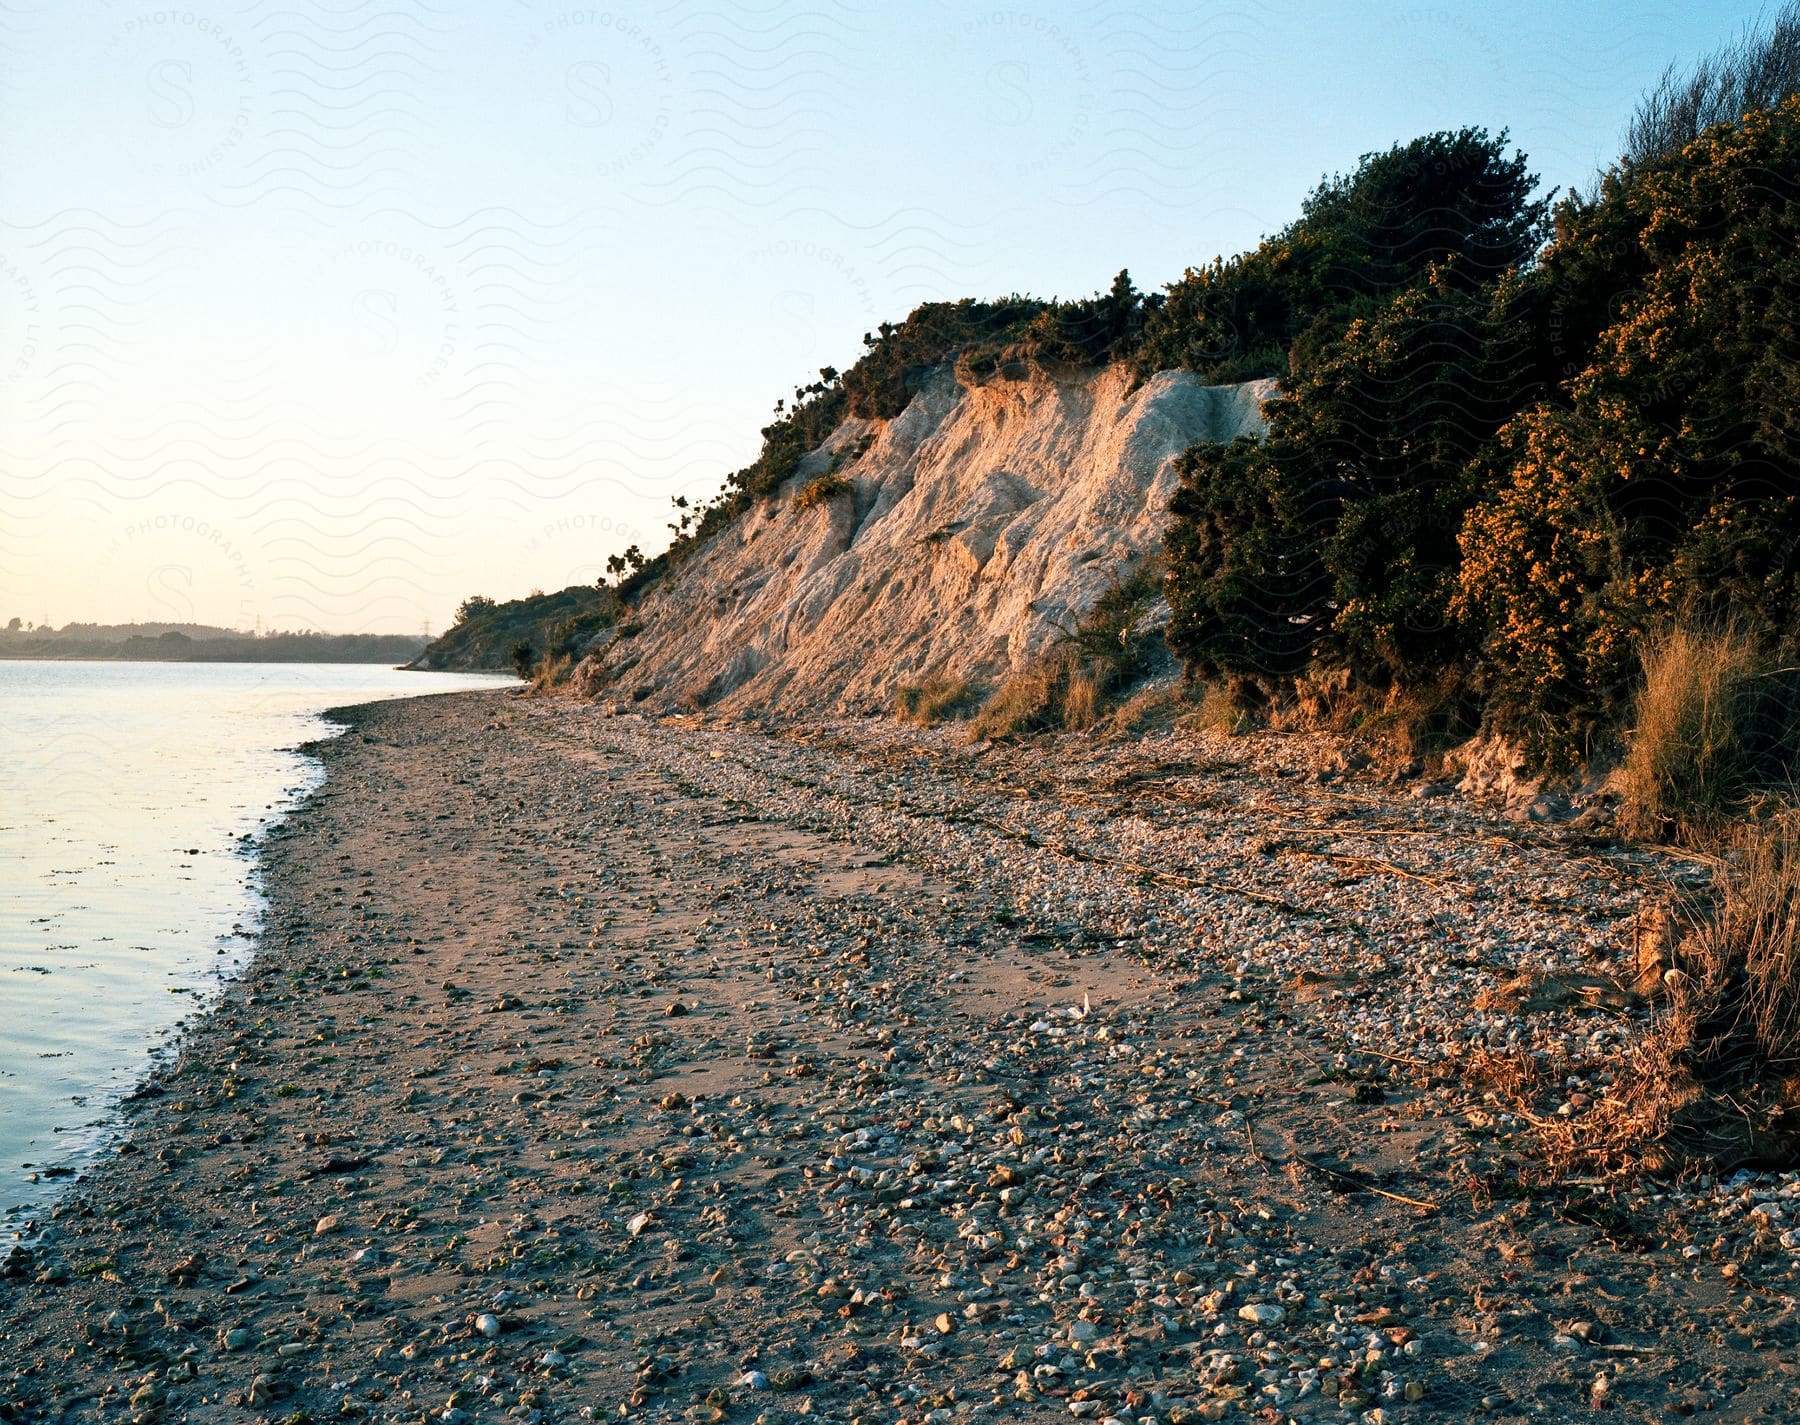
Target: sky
point(329, 313)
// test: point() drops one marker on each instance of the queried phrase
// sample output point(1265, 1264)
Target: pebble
point(949, 1098)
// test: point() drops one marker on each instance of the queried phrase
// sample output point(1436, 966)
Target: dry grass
point(1221, 708)
point(1715, 1079)
point(1029, 701)
point(552, 673)
point(1084, 698)
point(937, 699)
point(1744, 961)
point(1064, 689)
point(1151, 709)
point(1711, 720)
point(1076, 684)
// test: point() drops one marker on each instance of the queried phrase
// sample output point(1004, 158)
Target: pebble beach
point(596, 1067)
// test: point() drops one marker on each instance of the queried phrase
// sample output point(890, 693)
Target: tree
point(1455, 203)
point(523, 656)
point(1758, 71)
point(1332, 541)
point(473, 607)
point(1664, 481)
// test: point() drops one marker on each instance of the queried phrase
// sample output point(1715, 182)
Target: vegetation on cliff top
point(488, 634)
point(1516, 439)
point(1515, 484)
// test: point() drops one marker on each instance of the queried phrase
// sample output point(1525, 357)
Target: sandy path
point(601, 1067)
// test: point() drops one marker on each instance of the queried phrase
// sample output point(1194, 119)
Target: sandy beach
point(606, 1067)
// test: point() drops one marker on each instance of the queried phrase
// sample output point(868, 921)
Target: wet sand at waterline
point(131, 798)
point(598, 1067)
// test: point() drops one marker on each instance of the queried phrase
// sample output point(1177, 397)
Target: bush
point(1451, 201)
point(1334, 537)
point(938, 698)
point(1664, 481)
point(486, 632)
point(821, 490)
point(1715, 721)
point(898, 359)
point(552, 672)
point(1093, 332)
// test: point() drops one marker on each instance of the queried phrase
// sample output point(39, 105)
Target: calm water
point(126, 790)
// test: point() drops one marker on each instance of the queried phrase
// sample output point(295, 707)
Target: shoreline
point(671, 1071)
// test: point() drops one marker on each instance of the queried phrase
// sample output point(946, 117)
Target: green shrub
point(486, 631)
point(821, 490)
point(1664, 480)
point(1334, 537)
point(1451, 201)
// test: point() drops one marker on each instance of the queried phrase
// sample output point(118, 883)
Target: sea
point(133, 797)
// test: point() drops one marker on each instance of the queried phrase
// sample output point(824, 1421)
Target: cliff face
point(976, 525)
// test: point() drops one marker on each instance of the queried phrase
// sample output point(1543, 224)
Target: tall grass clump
point(938, 698)
point(1076, 683)
point(1719, 1080)
point(1713, 726)
point(552, 672)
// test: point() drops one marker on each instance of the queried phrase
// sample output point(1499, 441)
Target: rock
point(488, 1325)
point(235, 1339)
point(753, 1380)
point(264, 1390)
point(638, 1224)
point(945, 1323)
point(1261, 1313)
point(325, 1226)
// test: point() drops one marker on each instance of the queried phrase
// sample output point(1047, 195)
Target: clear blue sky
point(331, 315)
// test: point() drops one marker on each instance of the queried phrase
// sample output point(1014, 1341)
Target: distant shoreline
point(7, 657)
